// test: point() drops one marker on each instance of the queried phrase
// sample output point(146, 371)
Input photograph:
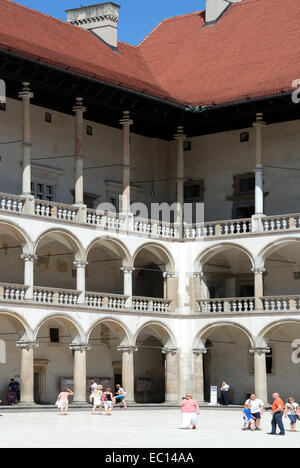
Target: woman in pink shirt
point(190, 412)
point(63, 400)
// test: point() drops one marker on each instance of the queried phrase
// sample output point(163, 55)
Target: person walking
point(224, 393)
point(277, 410)
point(292, 412)
point(249, 421)
point(108, 402)
point(97, 399)
point(257, 409)
point(93, 387)
point(63, 400)
point(190, 412)
point(121, 396)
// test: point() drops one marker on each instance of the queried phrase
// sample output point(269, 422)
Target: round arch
point(19, 234)
point(116, 325)
point(207, 254)
point(66, 238)
point(115, 245)
point(203, 333)
point(158, 251)
point(161, 331)
point(274, 326)
point(22, 326)
point(79, 338)
point(273, 247)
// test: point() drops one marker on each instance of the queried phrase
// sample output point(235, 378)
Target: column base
point(25, 405)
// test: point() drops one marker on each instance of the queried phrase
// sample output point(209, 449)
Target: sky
point(137, 17)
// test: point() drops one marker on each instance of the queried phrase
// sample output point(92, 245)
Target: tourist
point(63, 400)
point(249, 421)
point(190, 412)
point(108, 401)
point(224, 393)
point(14, 387)
point(277, 410)
point(93, 387)
point(97, 399)
point(121, 396)
point(292, 411)
point(257, 409)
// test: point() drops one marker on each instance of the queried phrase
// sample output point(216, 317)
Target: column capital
point(258, 270)
point(259, 351)
point(180, 136)
point(80, 263)
point(127, 270)
point(80, 347)
point(200, 351)
point(28, 257)
point(79, 107)
point(198, 274)
point(27, 344)
point(26, 93)
point(259, 120)
point(172, 351)
point(168, 274)
point(127, 349)
point(126, 120)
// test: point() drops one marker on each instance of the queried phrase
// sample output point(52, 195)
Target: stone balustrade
point(218, 229)
point(105, 301)
point(11, 203)
point(281, 303)
point(227, 305)
point(281, 223)
point(55, 210)
point(150, 304)
point(12, 292)
point(55, 296)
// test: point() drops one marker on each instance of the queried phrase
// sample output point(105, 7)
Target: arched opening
point(53, 359)
point(226, 272)
point(282, 264)
point(105, 259)
point(227, 359)
point(12, 330)
point(54, 268)
point(104, 360)
point(283, 367)
point(150, 363)
point(12, 245)
point(150, 263)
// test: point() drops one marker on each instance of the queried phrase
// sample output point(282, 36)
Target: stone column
point(79, 372)
point(26, 95)
point(79, 110)
point(172, 381)
point(80, 279)
point(258, 287)
point(198, 374)
point(127, 291)
point(171, 285)
point(126, 122)
point(180, 137)
point(27, 371)
point(29, 274)
point(128, 370)
point(259, 189)
point(260, 373)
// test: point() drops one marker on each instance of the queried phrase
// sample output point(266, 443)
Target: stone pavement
point(144, 428)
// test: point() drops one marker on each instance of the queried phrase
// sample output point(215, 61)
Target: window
point(89, 130)
point(247, 185)
point(194, 191)
point(187, 146)
point(48, 117)
point(43, 191)
point(244, 137)
point(2, 106)
point(54, 335)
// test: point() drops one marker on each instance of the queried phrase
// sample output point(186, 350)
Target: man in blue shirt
point(14, 386)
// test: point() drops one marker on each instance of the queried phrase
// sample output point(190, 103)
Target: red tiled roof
point(252, 51)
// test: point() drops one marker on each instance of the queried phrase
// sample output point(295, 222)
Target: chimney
point(101, 19)
point(215, 8)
